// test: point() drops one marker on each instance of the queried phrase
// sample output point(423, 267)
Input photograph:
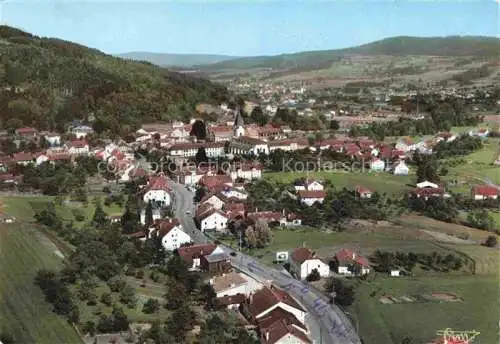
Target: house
point(349, 263)
point(401, 169)
point(192, 254)
point(157, 191)
point(244, 145)
point(427, 184)
point(269, 298)
point(220, 133)
point(157, 215)
point(311, 197)
point(219, 263)
point(27, 133)
point(23, 158)
point(211, 220)
point(377, 165)
point(482, 133)
point(290, 220)
point(245, 171)
point(211, 182)
point(309, 185)
point(279, 332)
point(363, 192)
point(303, 261)
point(483, 192)
point(171, 234)
point(230, 301)
point(445, 137)
point(405, 144)
point(78, 147)
point(215, 200)
point(81, 131)
point(231, 284)
point(53, 139)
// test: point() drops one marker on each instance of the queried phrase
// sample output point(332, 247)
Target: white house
point(78, 147)
point(405, 144)
point(427, 184)
point(229, 191)
point(213, 220)
point(156, 215)
point(216, 201)
point(363, 192)
point(248, 146)
point(401, 169)
point(483, 192)
point(265, 300)
point(303, 261)
point(157, 191)
point(171, 234)
point(53, 139)
point(246, 172)
point(377, 165)
point(482, 133)
point(311, 197)
point(229, 284)
point(350, 263)
point(309, 185)
point(81, 131)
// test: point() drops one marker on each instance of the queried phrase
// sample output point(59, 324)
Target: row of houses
point(278, 317)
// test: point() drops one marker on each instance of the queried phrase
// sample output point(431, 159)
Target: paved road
point(327, 323)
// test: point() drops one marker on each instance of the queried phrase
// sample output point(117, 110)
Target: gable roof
point(163, 227)
point(485, 190)
point(188, 253)
point(268, 297)
point(301, 254)
point(279, 314)
point(280, 329)
point(227, 281)
point(213, 181)
point(312, 194)
point(78, 143)
point(210, 213)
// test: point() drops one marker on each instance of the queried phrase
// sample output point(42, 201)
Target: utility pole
point(240, 242)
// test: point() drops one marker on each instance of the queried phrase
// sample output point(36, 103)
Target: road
point(327, 323)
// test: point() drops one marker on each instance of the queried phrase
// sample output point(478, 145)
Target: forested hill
point(47, 83)
point(452, 46)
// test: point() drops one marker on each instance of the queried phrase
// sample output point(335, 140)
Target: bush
point(151, 306)
point(79, 215)
point(139, 274)
point(491, 241)
point(116, 284)
point(106, 299)
point(313, 276)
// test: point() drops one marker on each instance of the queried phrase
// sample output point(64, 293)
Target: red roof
point(188, 253)
point(157, 183)
point(266, 298)
point(485, 191)
point(213, 181)
point(163, 227)
point(312, 194)
point(301, 254)
point(428, 191)
point(22, 156)
point(269, 216)
point(26, 130)
point(279, 314)
point(280, 329)
point(346, 255)
point(363, 190)
point(78, 143)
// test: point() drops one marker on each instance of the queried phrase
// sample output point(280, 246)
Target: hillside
point(175, 60)
point(396, 46)
point(48, 82)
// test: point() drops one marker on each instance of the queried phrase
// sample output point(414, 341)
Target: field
point(25, 208)
point(391, 323)
point(23, 310)
point(381, 182)
point(478, 165)
point(363, 242)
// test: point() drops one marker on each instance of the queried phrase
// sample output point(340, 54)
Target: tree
point(313, 276)
point(427, 168)
point(130, 217)
point(127, 296)
point(7, 338)
point(481, 219)
point(149, 215)
point(209, 295)
point(151, 306)
point(100, 217)
point(250, 238)
point(491, 241)
point(176, 296)
point(344, 295)
point(180, 321)
point(334, 125)
point(106, 299)
point(120, 319)
point(258, 116)
point(201, 156)
point(199, 130)
point(263, 233)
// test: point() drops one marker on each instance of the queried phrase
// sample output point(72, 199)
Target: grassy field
point(478, 165)
point(487, 260)
point(23, 310)
point(364, 242)
point(381, 182)
point(390, 323)
point(25, 208)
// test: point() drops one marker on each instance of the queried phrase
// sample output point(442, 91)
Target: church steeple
point(239, 123)
point(238, 118)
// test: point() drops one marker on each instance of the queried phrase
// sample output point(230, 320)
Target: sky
point(246, 28)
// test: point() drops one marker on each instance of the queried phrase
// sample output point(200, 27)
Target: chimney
point(250, 297)
point(267, 335)
point(353, 255)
